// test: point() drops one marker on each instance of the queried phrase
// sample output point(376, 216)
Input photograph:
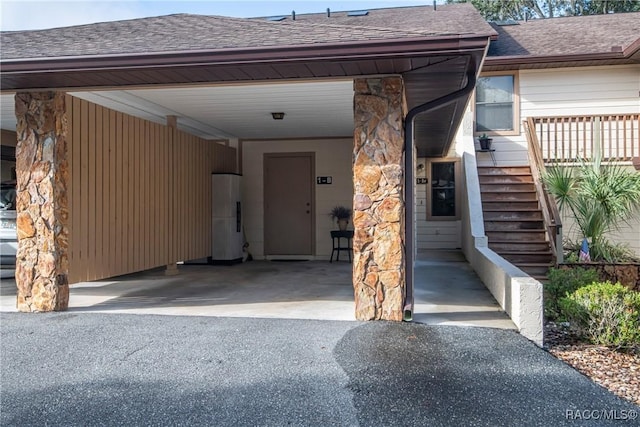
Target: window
point(442, 196)
point(496, 104)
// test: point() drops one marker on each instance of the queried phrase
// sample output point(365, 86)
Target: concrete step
point(516, 235)
point(499, 225)
point(510, 170)
point(506, 215)
point(505, 179)
point(511, 188)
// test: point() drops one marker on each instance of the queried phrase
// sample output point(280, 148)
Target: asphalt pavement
point(119, 369)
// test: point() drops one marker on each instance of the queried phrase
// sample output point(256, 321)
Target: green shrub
point(604, 314)
point(610, 252)
point(600, 197)
point(563, 282)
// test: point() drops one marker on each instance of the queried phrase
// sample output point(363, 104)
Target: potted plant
point(485, 142)
point(341, 215)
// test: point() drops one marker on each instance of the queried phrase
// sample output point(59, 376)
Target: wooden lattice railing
point(568, 138)
point(550, 212)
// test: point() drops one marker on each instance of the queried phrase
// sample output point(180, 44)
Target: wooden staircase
point(513, 219)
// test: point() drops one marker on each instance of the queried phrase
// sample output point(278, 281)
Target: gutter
point(526, 60)
point(409, 177)
point(399, 48)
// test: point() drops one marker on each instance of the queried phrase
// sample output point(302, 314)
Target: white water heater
point(227, 233)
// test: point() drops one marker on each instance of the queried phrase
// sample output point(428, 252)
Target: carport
point(150, 118)
point(447, 292)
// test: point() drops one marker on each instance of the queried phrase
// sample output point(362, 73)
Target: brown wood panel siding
point(171, 185)
point(117, 241)
point(99, 186)
point(225, 160)
point(73, 191)
point(139, 208)
point(163, 185)
point(153, 196)
point(140, 192)
point(91, 186)
point(111, 238)
point(83, 220)
point(129, 189)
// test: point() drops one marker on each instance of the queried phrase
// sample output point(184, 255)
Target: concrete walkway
point(447, 292)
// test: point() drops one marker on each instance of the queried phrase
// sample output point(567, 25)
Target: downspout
point(409, 178)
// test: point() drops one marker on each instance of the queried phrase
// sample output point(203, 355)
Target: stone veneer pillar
point(42, 205)
point(378, 218)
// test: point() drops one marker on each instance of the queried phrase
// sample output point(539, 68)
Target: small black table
point(490, 151)
point(336, 237)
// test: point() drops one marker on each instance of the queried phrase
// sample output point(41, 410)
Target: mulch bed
point(617, 371)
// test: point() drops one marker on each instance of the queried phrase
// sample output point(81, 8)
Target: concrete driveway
point(447, 292)
point(103, 369)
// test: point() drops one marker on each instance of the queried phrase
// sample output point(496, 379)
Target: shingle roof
point(460, 18)
point(184, 32)
point(577, 35)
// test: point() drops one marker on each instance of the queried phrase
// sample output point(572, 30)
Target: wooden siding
point(584, 91)
point(139, 191)
point(609, 90)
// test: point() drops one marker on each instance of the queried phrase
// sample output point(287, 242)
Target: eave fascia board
point(545, 59)
point(632, 49)
point(405, 47)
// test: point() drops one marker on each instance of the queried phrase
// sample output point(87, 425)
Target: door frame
point(312, 174)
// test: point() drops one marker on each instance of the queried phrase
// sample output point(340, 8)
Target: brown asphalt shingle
point(185, 32)
point(446, 19)
point(566, 36)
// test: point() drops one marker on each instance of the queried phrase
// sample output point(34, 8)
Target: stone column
point(42, 205)
point(378, 219)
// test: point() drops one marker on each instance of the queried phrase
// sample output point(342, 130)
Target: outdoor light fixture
point(277, 116)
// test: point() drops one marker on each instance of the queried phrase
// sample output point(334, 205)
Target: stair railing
point(569, 138)
point(550, 212)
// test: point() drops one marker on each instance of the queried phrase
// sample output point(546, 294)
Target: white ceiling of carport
point(312, 109)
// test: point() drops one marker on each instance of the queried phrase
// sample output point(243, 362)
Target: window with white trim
point(496, 104)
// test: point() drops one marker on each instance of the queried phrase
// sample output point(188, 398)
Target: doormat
point(289, 260)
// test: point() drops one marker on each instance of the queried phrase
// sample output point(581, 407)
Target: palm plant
point(600, 197)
